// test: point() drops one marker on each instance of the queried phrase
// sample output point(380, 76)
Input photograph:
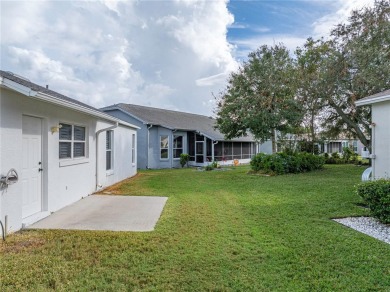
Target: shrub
point(214, 164)
point(209, 167)
point(184, 158)
point(347, 154)
point(334, 158)
point(281, 163)
point(257, 161)
point(376, 194)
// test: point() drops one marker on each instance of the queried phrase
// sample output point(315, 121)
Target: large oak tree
point(260, 97)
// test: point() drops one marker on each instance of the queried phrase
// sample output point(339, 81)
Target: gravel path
point(369, 226)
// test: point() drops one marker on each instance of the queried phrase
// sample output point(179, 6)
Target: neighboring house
point(61, 149)
point(337, 145)
point(165, 134)
point(380, 133)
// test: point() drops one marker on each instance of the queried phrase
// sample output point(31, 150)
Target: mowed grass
point(219, 231)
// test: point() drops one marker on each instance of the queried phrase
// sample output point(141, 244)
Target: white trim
point(57, 101)
point(173, 146)
point(110, 133)
point(69, 162)
point(17, 87)
point(164, 159)
point(373, 100)
point(72, 141)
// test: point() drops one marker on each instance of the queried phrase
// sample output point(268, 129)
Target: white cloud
point(143, 52)
point(251, 44)
point(343, 9)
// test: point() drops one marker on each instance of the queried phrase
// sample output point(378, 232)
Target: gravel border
point(367, 225)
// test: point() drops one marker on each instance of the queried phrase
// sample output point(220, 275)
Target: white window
point(355, 146)
point(177, 146)
point(133, 148)
point(72, 141)
point(109, 150)
point(164, 147)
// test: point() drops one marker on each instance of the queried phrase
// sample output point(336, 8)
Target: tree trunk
point(313, 134)
point(273, 140)
point(352, 124)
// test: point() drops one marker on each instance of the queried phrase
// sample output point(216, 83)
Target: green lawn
point(219, 231)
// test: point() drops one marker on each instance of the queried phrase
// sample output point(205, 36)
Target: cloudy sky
point(170, 54)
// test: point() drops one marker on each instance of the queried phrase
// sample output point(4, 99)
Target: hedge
point(282, 163)
point(376, 195)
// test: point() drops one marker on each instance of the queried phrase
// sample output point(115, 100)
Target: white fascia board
point(372, 100)
point(112, 108)
point(17, 87)
point(54, 100)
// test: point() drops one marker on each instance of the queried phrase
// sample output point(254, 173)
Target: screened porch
point(203, 150)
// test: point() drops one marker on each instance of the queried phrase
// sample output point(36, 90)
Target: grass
point(220, 231)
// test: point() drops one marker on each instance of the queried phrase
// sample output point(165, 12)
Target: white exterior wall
point(123, 167)
point(63, 181)
point(381, 139)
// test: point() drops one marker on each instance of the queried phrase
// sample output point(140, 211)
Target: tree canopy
point(260, 96)
point(317, 87)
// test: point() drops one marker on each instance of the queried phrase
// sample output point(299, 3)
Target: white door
point(32, 166)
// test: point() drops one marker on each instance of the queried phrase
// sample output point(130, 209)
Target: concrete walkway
point(100, 212)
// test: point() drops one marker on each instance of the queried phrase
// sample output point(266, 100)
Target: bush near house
point(348, 156)
point(282, 163)
point(184, 158)
point(376, 194)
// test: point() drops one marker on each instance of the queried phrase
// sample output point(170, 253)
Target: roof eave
point(54, 100)
point(372, 100)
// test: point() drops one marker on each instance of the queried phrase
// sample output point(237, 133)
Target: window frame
point(110, 134)
point(72, 141)
point(133, 149)
point(164, 148)
point(177, 148)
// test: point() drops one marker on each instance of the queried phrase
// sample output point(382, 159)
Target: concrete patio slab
point(101, 212)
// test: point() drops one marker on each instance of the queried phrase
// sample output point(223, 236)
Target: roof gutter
point(372, 100)
point(99, 186)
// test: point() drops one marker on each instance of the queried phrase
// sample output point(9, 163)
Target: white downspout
point(98, 186)
point(147, 152)
point(373, 155)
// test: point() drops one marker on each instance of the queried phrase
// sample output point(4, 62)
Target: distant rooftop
point(175, 120)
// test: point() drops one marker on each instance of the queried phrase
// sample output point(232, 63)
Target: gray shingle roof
point(41, 89)
point(175, 120)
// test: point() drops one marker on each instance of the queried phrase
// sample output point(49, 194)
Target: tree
point(357, 65)
point(309, 73)
point(260, 97)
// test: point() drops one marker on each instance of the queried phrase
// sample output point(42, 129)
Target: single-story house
point(54, 150)
point(165, 134)
point(336, 145)
point(380, 133)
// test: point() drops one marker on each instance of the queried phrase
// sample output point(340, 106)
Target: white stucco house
point(55, 150)
point(380, 132)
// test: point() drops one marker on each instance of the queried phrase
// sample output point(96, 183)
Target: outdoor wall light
point(55, 129)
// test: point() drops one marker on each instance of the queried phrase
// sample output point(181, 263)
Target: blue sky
point(173, 54)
